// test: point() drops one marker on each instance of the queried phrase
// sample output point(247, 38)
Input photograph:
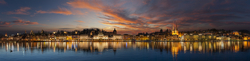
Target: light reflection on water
point(172, 48)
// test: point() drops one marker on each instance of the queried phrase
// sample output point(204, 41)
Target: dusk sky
point(127, 16)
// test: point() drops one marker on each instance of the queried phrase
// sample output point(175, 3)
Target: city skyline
point(127, 16)
point(159, 30)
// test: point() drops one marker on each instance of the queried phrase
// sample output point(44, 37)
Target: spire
point(31, 32)
point(25, 32)
point(6, 34)
point(42, 31)
point(161, 30)
point(176, 25)
point(114, 31)
point(173, 26)
point(58, 32)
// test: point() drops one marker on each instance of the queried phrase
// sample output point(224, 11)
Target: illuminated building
point(200, 37)
point(172, 38)
point(142, 37)
point(245, 38)
point(236, 33)
point(159, 37)
point(84, 37)
point(100, 36)
point(69, 37)
point(6, 35)
point(31, 32)
point(52, 36)
point(76, 32)
point(175, 30)
point(75, 37)
point(42, 32)
point(17, 34)
point(127, 37)
point(117, 37)
point(97, 34)
point(62, 37)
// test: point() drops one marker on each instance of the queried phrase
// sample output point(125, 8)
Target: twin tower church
point(175, 29)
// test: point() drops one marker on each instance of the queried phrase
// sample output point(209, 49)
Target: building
point(172, 37)
point(84, 37)
point(127, 37)
point(6, 35)
point(117, 37)
point(100, 36)
point(175, 29)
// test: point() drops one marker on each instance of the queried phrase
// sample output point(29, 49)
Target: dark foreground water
point(124, 51)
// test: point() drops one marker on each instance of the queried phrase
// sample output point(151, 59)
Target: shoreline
point(126, 41)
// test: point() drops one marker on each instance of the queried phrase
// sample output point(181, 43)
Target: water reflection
point(172, 47)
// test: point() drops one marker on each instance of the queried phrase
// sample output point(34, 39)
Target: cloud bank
point(152, 15)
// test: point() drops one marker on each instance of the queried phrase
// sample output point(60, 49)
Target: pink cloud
point(2, 2)
point(63, 11)
point(22, 10)
point(5, 24)
point(32, 23)
point(24, 22)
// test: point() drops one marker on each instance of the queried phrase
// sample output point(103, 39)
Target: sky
point(127, 16)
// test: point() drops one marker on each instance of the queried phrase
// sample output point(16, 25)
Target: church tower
point(161, 31)
point(31, 32)
point(175, 30)
point(42, 32)
point(115, 32)
point(6, 34)
point(25, 32)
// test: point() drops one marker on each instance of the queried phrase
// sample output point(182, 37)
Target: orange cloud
point(119, 18)
point(120, 24)
point(80, 21)
point(63, 11)
point(78, 12)
point(116, 15)
point(99, 6)
point(22, 10)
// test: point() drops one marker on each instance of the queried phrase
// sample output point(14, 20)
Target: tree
point(166, 30)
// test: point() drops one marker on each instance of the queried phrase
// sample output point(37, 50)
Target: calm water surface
point(124, 51)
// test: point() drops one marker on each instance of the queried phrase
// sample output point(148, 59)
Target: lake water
point(124, 51)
